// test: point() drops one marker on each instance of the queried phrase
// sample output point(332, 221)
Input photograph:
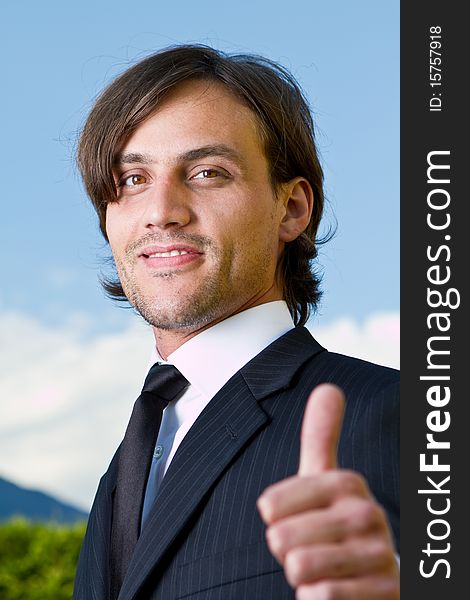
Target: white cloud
point(376, 340)
point(66, 400)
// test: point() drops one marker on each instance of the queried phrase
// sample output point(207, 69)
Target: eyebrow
point(130, 158)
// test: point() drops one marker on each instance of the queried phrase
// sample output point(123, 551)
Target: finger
point(321, 427)
point(347, 520)
point(361, 558)
point(296, 495)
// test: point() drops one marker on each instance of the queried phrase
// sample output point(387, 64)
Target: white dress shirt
point(208, 361)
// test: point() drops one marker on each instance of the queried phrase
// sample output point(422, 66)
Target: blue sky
point(56, 57)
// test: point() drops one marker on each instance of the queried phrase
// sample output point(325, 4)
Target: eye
point(208, 174)
point(133, 180)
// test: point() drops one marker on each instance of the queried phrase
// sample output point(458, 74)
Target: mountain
point(33, 505)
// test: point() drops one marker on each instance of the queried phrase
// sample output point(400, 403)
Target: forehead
point(198, 112)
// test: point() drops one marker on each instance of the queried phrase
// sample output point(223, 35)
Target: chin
point(175, 316)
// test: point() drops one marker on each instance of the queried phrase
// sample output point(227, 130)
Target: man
point(205, 177)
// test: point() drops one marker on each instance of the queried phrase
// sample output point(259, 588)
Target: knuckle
point(306, 592)
point(383, 549)
point(382, 553)
point(367, 515)
point(382, 518)
point(268, 504)
point(295, 566)
point(278, 539)
point(325, 591)
point(352, 483)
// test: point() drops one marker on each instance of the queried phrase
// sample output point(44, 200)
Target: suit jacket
point(204, 538)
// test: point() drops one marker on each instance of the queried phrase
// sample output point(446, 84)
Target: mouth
point(170, 256)
point(167, 253)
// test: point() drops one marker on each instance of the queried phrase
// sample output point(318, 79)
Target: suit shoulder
point(359, 364)
point(350, 372)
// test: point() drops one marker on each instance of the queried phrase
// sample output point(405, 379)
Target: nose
point(166, 205)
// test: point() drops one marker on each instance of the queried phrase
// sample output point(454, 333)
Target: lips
point(174, 255)
point(168, 253)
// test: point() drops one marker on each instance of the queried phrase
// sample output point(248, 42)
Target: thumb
point(321, 427)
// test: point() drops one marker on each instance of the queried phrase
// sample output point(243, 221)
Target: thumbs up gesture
point(323, 525)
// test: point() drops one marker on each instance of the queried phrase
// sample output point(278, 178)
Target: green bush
point(38, 561)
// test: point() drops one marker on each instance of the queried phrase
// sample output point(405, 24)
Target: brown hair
point(285, 125)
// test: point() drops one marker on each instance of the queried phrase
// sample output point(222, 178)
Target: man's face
point(195, 228)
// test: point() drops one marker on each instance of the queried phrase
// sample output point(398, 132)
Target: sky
point(71, 361)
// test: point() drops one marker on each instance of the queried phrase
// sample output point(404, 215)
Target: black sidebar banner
point(435, 441)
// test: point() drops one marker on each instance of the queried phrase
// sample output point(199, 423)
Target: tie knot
point(165, 381)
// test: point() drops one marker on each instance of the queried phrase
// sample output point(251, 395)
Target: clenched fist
point(325, 528)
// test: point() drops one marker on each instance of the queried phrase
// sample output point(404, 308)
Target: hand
point(324, 526)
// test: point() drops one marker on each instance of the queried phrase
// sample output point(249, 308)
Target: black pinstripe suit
point(204, 539)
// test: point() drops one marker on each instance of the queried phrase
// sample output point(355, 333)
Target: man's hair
point(284, 122)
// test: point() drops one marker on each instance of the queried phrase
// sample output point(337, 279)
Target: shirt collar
point(211, 358)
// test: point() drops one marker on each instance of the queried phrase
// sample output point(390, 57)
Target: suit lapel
point(226, 425)
point(223, 428)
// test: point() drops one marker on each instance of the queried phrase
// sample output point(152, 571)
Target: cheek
point(251, 228)
point(118, 228)
point(253, 241)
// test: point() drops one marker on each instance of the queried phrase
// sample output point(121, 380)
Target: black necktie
point(162, 384)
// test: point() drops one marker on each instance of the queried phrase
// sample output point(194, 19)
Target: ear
point(298, 203)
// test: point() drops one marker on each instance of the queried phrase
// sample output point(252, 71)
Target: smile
point(170, 253)
point(174, 256)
